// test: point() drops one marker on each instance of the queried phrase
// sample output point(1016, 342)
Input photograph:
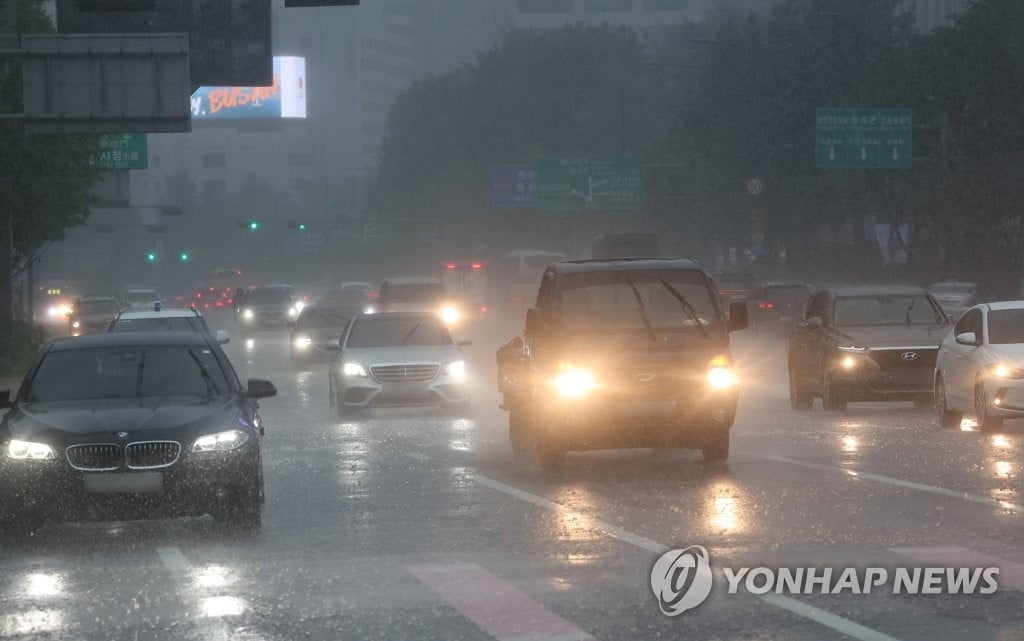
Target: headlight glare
point(221, 441)
point(303, 342)
point(450, 314)
point(247, 314)
point(355, 370)
point(456, 369)
point(28, 450)
point(1002, 370)
point(574, 383)
point(76, 324)
point(720, 375)
point(848, 362)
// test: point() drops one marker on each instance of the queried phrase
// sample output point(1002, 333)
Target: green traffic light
point(184, 257)
point(254, 225)
point(151, 257)
point(302, 226)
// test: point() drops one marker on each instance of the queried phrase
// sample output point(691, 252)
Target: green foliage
point(19, 347)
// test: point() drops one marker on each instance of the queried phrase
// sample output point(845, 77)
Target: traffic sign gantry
point(121, 151)
point(863, 138)
point(590, 183)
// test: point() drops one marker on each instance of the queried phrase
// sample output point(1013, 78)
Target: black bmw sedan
point(132, 425)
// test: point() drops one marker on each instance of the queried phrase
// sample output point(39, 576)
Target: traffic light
point(254, 225)
point(151, 257)
point(299, 226)
point(184, 257)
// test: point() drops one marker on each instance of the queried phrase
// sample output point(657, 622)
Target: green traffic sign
point(590, 183)
point(863, 138)
point(121, 151)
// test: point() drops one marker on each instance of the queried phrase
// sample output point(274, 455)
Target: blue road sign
point(513, 185)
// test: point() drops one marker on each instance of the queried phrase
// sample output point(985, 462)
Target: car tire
point(986, 422)
point(519, 432)
point(948, 418)
point(833, 398)
point(800, 398)
point(551, 455)
point(716, 445)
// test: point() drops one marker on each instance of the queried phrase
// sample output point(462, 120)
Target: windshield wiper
point(687, 307)
point(211, 389)
point(138, 377)
point(910, 309)
point(640, 307)
point(405, 339)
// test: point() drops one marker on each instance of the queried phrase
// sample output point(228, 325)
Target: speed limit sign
point(755, 186)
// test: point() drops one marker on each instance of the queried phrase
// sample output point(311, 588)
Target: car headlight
point(76, 324)
point(456, 369)
point(247, 314)
point(355, 370)
point(293, 311)
point(299, 306)
point(574, 383)
point(370, 310)
point(57, 311)
point(26, 450)
point(1002, 370)
point(303, 342)
point(450, 314)
point(848, 362)
point(221, 441)
point(720, 375)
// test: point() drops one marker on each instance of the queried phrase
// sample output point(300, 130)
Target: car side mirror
point(534, 321)
point(5, 399)
point(967, 338)
point(290, 324)
point(222, 337)
point(333, 345)
point(464, 342)
point(815, 321)
point(738, 317)
point(259, 388)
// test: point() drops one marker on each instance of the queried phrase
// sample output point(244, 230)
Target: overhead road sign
point(863, 138)
point(121, 151)
point(103, 84)
point(513, 186)
point(590, 183)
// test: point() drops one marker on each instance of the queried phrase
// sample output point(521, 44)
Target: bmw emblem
point(123, 435)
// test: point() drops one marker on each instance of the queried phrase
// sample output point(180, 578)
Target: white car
point(165, 320)
point(397, 359)
point(956, 297)
point(141, 299)
point(980, 367)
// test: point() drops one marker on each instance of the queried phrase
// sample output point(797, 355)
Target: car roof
point(617, 264)
point(396, 315)
point(85, 299)
point(953, 282)
point(783, 284)
point(171, 312)
point(875, 290)
point(413, 280)
point(1005, 304)
point(130, 339)
point(141, 289)
point(355, 283)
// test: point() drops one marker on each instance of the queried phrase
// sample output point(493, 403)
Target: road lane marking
point(822, 617)
point(910, 485)
point(507, 613)
point(1011, 573)
point(174, 560)
point(417, 456)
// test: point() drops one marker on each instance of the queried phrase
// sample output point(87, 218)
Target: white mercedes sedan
point(397, 359)
point(980, 367)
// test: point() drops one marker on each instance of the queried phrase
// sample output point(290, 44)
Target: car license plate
point(139, 483)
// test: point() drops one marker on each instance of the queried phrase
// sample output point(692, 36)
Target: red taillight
point(220, 303)
point(211, 289)
point(485, 309)
point(765, 304)
point(450, 266)
point(199, 294)
point(477, 266)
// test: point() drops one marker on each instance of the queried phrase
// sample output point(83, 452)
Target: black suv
point(622, 353)
point(865, 344)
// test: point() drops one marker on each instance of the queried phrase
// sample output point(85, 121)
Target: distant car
point(418, 294)
point(350, 293)
point(135, 425)
point(865, 344)
point(955, 297)
point(980, 368)
point(735, 286)
point(397, 359)
point(779, 307)
point(268, 307)
point(141, 299)
point(316, 327)
point(165, 320)
point(92, 314)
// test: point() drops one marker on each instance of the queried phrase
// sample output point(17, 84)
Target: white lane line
point(822, 617)
point(417, 456)
point(827, 619)
point(174, 560)
point(910, 485)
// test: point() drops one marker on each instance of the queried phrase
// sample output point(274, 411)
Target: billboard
point(285, 98)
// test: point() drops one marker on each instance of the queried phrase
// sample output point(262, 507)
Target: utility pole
point(8, 31)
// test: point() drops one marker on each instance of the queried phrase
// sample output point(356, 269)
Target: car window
point(108, 306)
point(99, 373)
point(817, 307)
point(269, 296)
point(416, 293)
point(905, 309)
point(167, 324)
point(325, 318)
point(970, 322)
point(1006, 326)
point(390, 331)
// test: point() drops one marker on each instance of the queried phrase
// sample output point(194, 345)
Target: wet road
point(411, 525)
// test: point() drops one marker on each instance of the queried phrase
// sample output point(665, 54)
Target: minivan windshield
point(905, 309)
point(601, 301)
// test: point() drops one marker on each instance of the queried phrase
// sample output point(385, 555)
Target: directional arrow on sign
point(831, 153)
point(895, 153)
point(863, 153)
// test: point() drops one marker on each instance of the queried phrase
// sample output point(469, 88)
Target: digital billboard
point(285, 98)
